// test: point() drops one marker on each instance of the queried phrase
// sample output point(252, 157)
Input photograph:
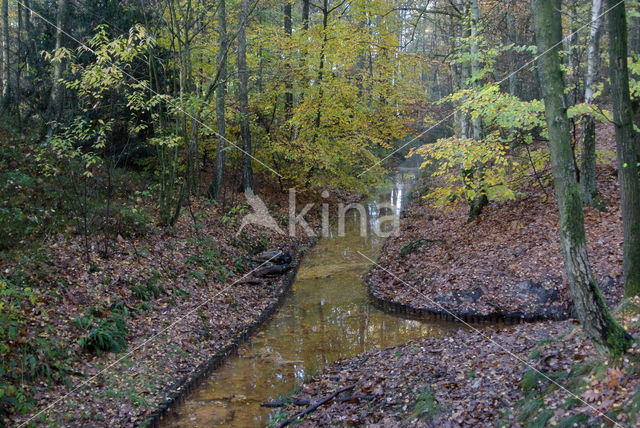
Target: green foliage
point(84, 322)
point(530, 408)
point(24, 358)
point(149, 290)
point(28, 202)
point(168, 190)
point(127, 221)
point(84, 153)
point(108, 335)
point(426, 406)
point(229, 218)
point(206, 259)
point(509, 124)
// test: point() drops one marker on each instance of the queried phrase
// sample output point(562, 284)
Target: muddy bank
point(505, 266)
point(326, 316)
point(176, 394)
point(176, 301)
point(546, 373)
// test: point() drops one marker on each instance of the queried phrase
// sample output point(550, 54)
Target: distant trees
point(588, 183)
point(603, 330)
point(6, 58)
point(221, 94)
point(56, 103)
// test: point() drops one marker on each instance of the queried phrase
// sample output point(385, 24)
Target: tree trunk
point(513, 38)
point(480, 200)
point(218, 181)
point(243, 90)
point(465, 74)
point(572, 60)
point(588, 174)
point(19, 54)
point(603, 330)
point(306, 5)
point(288, 96)
point(625, 145)
point(634, 31)
point(6, 60)
point(56, 102)
point(325, 24)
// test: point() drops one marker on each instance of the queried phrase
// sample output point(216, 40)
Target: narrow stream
point(326, 316)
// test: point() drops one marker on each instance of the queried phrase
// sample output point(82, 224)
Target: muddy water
point(327, 316)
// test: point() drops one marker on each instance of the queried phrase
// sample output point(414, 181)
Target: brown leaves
point(512, 242)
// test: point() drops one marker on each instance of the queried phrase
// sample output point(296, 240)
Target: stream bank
point(171, 290)
point(326, 316)
point(506, 266)
point(179, 391)
point(535, 374)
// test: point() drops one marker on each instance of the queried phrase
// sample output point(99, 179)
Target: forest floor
point(508, 261)
point(539, 374)
point(180, 295)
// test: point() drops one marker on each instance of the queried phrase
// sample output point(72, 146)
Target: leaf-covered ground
point(508, 261)
point(526, 375)
point(177, 291)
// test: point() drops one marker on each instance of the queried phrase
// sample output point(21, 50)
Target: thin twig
point(315, 406)
point(535, 172)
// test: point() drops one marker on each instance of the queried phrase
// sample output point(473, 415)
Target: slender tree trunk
point(6, 59)
point(30, 41)
point(218, 181)
point(625, 145)
point(480, 200)
point(56, 102)
point(19, 51)
point(634, 30)
point(306, 6)
point(603, 330)
point(288, 96)
point(243, 92)
point(588, 174)
point(572, 59)
point(260, 60)
point(325, 24)
point(465, 74)
point(513, 36)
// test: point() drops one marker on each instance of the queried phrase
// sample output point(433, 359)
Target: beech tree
point(221, 91)
point(6, 59)
point(603, 330)
point(243, 94)
point(588, 172)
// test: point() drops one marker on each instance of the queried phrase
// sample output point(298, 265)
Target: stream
point(326, 316)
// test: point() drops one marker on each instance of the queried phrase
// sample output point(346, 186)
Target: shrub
point(126, 221)
point(148, 291)
point(107, 335)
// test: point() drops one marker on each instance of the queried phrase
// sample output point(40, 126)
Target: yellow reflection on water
point(327, 316)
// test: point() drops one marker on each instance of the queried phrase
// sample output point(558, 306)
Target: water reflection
point(326, 317)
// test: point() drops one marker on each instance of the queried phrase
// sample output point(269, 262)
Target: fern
point(108, 335)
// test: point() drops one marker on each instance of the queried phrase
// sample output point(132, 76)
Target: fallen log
point(275, 257)
point(315, 406)
point(272, 269)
